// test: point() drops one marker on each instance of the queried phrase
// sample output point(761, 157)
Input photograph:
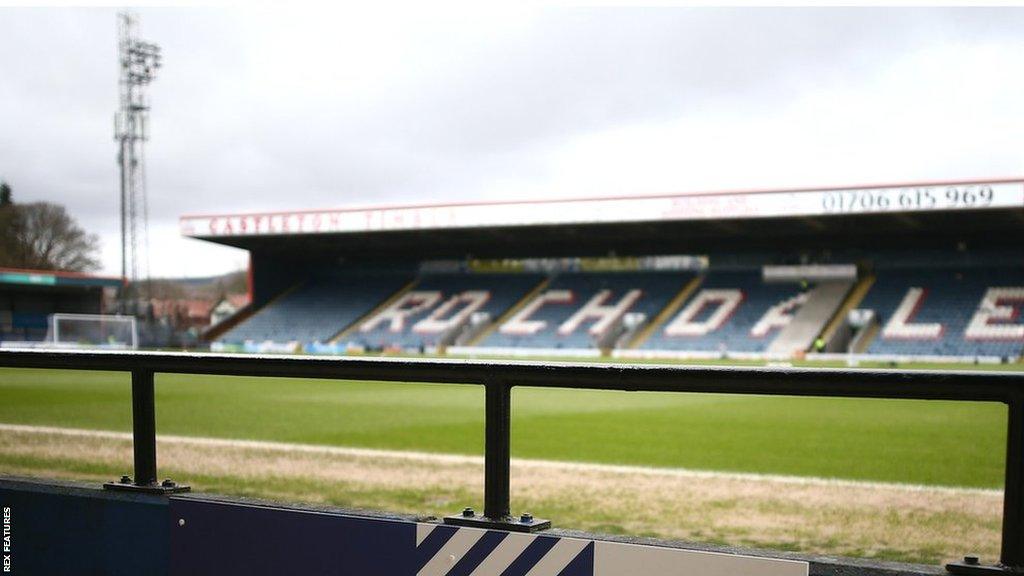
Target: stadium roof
point(850, 215)
point(55, 278)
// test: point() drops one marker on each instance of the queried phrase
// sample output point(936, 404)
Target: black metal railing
point(499, 377)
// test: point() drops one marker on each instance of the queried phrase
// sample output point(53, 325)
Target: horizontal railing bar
point(827, 382)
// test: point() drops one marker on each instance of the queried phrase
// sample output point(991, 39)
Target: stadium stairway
point(822, 302)
point(863, 340)
point(839, 319)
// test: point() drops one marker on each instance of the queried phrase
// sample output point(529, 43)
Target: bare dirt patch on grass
point(909, 523)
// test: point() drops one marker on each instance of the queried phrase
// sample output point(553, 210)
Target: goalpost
point(92, 331)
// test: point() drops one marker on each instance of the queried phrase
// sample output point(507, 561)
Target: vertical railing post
point(1012, 551)
point(144, 427)
point(497, 452)
point(497, 468)
point(144, 440)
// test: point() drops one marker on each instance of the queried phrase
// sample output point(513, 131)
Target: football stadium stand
point(29, 297)
point(773, 274)
point(952, 311)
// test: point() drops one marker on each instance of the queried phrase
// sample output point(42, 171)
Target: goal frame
point(53, 337)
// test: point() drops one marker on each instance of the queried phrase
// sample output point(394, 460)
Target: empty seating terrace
point(941, 304)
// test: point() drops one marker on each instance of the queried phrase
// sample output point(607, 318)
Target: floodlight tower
point(139, 62)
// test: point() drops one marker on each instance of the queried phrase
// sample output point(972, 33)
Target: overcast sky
point(308, 108)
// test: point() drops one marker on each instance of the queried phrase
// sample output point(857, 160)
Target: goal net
point(92, 331)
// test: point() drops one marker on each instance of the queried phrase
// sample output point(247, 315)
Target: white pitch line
point(433, 458)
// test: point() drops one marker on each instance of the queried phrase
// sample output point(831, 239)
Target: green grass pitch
point(919, 442)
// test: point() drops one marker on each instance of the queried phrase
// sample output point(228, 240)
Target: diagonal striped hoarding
point(449, 551)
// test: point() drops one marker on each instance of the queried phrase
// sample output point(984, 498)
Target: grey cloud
point(272, 110)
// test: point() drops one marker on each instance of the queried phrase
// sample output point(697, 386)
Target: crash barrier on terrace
point(499, 377)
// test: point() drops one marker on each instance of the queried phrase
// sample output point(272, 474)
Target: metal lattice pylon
point(139, 62)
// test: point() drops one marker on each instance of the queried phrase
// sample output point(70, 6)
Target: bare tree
point(44, 236)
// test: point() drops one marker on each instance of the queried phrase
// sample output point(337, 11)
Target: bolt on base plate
point(510, 523)
point(973, 568)
point(165, 487)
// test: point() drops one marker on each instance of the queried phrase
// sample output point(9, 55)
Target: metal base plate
point(962, 569)
point(508, 523)
point(147, 488)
